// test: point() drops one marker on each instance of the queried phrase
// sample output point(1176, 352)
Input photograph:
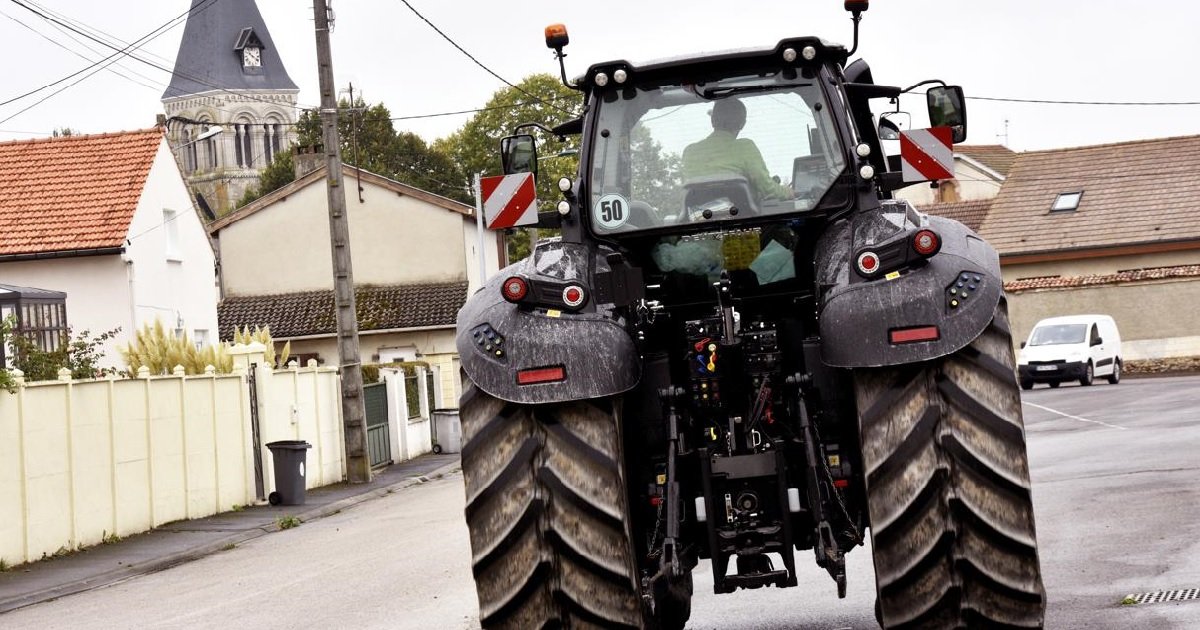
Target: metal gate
point(379, 437)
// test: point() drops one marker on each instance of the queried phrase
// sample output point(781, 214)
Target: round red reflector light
point(868, 262)
point(515, 289)
point(573, 296)
point(926, 242)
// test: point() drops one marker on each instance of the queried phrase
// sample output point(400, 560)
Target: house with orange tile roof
point(107, 220)
point(1109, 229)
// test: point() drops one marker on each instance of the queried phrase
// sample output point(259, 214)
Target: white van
point(1071, 348)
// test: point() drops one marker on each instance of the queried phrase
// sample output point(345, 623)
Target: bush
point(370, 374)
point(160, 352)
point(79, 353)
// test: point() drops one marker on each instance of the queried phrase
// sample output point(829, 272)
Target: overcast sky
point(1089, 50)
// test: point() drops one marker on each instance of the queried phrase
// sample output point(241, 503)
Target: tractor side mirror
point(888, 129)
point(948, 108)
point(518, 154)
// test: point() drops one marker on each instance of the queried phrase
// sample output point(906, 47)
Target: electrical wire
point(1103, 103)
point(169, 24)
point(480, 63)
point(172, 72)
point(81, 55)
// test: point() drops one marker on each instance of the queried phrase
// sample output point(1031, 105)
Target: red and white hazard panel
point(508, 200)
point(927, 154)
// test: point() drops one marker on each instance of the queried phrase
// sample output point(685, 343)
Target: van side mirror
point(518, 154)
point(1022, 345)
point(1097, 341)
point(948, 108)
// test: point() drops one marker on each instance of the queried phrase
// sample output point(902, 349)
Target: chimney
point(160, 121)
point(307, 159)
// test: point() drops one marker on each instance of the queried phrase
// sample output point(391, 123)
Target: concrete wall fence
point(83, 460)
point(1155, 318)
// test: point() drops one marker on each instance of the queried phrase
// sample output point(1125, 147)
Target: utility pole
point(358, 465)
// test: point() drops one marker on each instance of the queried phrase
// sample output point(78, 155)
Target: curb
point(378, 493)
point(131, 571)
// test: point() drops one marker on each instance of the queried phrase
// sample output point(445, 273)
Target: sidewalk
point(183, 541)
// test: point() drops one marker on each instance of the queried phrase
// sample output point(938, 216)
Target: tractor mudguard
point(857, 316)
point(596, 353)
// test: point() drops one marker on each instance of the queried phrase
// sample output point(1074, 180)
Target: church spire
point(226, 46)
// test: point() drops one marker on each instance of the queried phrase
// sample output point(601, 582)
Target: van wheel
point(1089, 376)
point(1054, 384)
point(1115, 377)
point(1027, 385)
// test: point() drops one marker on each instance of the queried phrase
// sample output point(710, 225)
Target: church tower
point(228, 77)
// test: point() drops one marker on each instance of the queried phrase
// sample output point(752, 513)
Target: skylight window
point(1066, 202)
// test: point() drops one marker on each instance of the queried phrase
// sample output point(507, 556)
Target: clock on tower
point(252, 57)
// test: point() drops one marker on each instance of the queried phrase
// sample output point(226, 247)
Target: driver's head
point(729, 114)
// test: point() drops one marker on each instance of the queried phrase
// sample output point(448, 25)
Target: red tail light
point(868, 263)
point(926, 242)
point(534, 376)
point(573, 296)
point(515, 289)
point(917, 333)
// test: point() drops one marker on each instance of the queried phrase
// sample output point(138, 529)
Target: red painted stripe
point(520, 202)
point(928, 167)
point(487, 185)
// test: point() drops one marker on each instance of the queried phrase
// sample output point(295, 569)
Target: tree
point(279, 173)
point(371, 142)
point(475, 147)
point(656, 177)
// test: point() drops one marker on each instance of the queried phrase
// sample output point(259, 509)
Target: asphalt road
point(1116, 473)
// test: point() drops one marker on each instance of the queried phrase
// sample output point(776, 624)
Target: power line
point(152, 64)
point(480, 63)
point(137, 43)
point(76, 53)
point(1106, 103)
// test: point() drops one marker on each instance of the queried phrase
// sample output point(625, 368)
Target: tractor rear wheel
point(548, 514)
point(948, 490)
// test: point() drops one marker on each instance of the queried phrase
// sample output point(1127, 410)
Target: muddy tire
point(948, 490)
point(548, 514)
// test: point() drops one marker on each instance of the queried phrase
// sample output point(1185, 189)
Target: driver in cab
point(723, 153)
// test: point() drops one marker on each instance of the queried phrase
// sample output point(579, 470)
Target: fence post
point(397, 411)
point(423, 392)
point(250, 358)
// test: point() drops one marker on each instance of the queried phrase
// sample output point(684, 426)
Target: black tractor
point(742, 346)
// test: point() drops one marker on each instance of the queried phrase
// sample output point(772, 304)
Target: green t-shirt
point(723, 153)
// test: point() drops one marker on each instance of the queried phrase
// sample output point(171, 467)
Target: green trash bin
point(288, 457)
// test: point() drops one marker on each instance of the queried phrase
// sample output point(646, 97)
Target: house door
point(379, 439)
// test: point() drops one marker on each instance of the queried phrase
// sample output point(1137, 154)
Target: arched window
point(189, 156)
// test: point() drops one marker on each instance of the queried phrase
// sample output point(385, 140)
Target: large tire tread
point(948, 490)
point(547, 514)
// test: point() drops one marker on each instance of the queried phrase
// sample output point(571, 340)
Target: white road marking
point(1067, 415)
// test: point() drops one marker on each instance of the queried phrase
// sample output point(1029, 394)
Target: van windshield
point(1058, 334)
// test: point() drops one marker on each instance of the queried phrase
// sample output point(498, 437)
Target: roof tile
point(75, 192)
point(969, 213)
point(312, 312)
point(1133, 193)
point(1131, 275)
point(997, 157)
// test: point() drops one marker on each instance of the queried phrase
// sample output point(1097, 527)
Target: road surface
point(1116, 473)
